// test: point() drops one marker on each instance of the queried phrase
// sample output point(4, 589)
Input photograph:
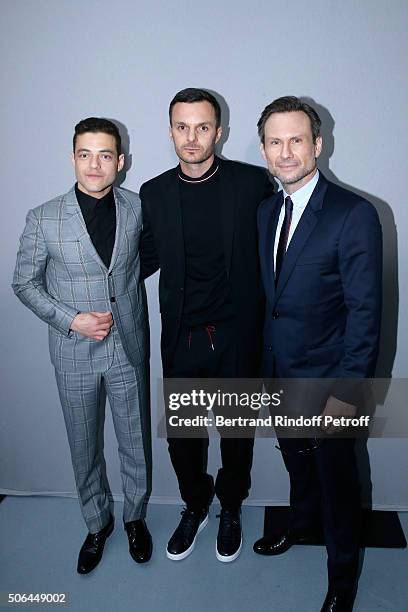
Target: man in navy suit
point(321, 261)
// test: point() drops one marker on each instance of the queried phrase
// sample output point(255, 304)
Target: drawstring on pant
point(210, 329)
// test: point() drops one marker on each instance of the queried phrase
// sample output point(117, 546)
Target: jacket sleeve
point(360, 264)
point(149, 259)
point(29, 277)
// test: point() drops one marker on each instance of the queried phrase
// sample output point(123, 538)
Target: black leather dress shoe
point(277, 545)
point(92, 549)
point(338, 602)
point(140, 541)
point(229, 539)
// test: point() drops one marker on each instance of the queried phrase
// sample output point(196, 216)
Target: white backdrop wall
point(66, 60)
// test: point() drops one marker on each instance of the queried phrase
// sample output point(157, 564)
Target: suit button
point(275, 315)
point(113, 299)
point(181, 288)
point(269, 348)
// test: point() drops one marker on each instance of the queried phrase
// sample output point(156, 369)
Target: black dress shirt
point(100, 220)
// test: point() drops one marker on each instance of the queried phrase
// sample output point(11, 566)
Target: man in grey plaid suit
point(78, 270)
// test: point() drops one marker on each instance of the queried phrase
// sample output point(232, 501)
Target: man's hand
point(336, 408)
point(95, 325)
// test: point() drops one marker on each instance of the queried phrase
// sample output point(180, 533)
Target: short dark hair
point(289, 104)
point(98, 124)
point(192, 94)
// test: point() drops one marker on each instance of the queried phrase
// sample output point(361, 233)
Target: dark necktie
point(283, 238)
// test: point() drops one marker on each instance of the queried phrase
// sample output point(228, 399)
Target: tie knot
point(288, 205)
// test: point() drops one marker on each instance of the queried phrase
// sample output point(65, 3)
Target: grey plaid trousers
point(83, 398)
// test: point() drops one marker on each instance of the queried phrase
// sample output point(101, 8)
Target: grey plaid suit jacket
point(59, 274)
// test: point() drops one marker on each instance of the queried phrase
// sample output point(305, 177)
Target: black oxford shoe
point(338, 602)
point(277, 545)
point(140, 541)
point(92, 549)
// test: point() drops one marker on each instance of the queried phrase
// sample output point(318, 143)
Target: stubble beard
point(204, 157)
point(303, 173)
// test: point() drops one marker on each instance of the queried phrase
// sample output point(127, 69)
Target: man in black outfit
point(199, 228)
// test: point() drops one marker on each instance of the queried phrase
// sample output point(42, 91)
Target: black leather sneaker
point(229, 539)
point(182, 542)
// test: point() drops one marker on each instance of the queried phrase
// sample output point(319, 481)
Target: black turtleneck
point(100, 220)
point(206, 291)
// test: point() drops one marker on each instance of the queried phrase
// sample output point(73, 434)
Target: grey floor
point(41, 536)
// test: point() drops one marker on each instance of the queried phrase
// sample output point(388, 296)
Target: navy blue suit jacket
point(323, 318)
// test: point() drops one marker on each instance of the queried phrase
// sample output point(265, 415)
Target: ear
point(218, 134)
point(121, 162)
point(262, 149)
point(318, 146)
point(73, 158)
point(170, 133)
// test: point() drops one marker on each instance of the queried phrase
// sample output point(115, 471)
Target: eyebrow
point(82, 150)
point(293, 136)
point(196, 124)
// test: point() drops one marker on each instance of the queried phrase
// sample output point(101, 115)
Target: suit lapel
point(78, 226)
point(121, 221)
point(173, 219)
point(302, 233)
point(298, 241)
point(269, 243)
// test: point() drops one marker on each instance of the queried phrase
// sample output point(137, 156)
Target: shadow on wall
point(225, 119)
point(389, 325)
point(225, 122)
point(124, 134)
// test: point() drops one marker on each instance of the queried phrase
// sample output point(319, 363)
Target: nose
point(286, 150)
point(95, 162)
point(191, 135)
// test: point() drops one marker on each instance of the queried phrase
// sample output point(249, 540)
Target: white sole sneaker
point(190, 549)
point(225, 559)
